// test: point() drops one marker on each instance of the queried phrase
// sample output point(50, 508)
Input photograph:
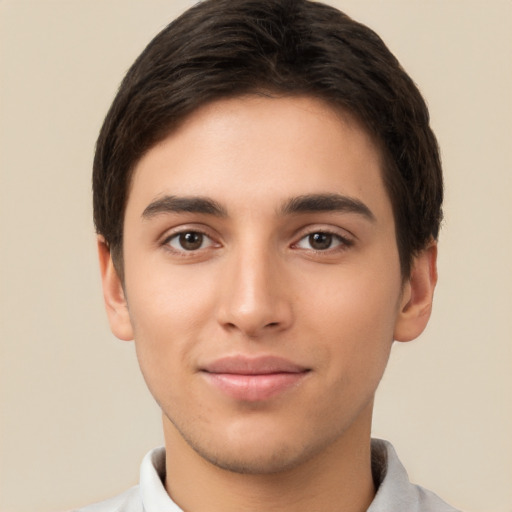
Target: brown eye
point(320, 241)
point(189, 241)
point(323, 241)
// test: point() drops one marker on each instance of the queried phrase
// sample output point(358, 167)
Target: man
point(267, 197)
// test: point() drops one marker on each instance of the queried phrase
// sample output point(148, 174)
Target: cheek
point(166, 295)
point(355, 300)
point(354, 319)
point(168, 311)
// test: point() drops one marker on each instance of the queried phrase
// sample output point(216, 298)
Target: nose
point(256, 298)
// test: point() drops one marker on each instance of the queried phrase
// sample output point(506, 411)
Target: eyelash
point(342, 243)
point(182, 250)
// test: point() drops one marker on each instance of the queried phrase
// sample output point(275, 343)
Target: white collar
point(394, 492)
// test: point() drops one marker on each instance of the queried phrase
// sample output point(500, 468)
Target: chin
point(256, 451)
point(256, 461)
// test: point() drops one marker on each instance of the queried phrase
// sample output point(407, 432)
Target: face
point(262, 280)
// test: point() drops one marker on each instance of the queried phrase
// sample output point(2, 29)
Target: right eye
point(189, 241)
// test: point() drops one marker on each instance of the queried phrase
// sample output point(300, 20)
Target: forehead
point(243, 149)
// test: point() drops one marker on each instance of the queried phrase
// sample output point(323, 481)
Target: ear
point(417, 295)
point(113, 294)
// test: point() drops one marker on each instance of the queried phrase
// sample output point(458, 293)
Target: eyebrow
point(174, 204)
point(327, 203)
point(301, 204)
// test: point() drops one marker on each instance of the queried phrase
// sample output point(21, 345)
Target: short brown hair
point(226, 48)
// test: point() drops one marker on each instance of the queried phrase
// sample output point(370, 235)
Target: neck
point(338, 478)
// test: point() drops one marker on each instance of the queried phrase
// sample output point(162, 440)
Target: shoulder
point(431, 502)
point(394, 490)
point(128, 501)
point(149, 495)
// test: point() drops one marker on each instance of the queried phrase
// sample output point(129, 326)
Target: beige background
point(75, 416)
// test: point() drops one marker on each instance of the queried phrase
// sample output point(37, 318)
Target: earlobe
point(113, 294)
point(418, 292)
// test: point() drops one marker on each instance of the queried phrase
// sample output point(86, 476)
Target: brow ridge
point(325, 203)
point(176, 204)
point(301, 204)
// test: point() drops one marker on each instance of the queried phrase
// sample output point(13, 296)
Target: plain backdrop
point(76, 418)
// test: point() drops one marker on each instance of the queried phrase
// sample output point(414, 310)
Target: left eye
point(189, 241)
point(321, 241)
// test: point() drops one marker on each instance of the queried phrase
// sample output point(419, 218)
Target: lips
point(253, 379)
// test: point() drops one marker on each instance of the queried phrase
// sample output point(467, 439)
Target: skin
point(252, 279)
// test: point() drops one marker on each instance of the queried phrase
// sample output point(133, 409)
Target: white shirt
point(394, 494)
